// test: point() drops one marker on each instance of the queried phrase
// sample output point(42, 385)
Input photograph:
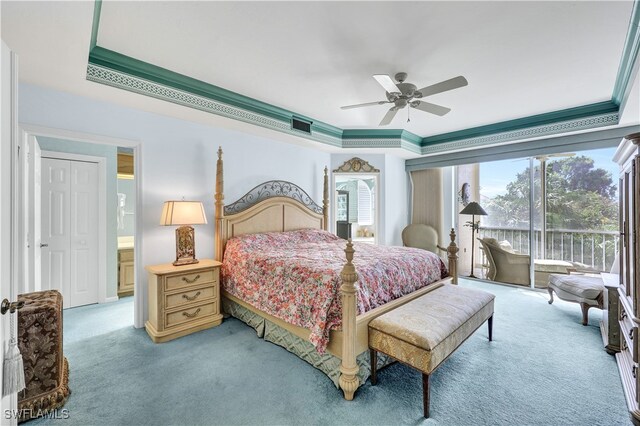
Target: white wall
point(178, 160)
point(396, 200)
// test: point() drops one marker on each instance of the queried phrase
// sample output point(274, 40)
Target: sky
point(494, 176)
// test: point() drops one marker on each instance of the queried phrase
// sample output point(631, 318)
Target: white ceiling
point(521, 58)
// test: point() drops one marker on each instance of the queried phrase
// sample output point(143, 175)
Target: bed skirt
point(327, 363)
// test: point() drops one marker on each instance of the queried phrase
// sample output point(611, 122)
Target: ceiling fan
point(402, 94)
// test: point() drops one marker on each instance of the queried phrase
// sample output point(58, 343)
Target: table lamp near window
point(184, 214)
point(474, 210)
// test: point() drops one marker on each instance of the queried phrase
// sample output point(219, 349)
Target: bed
point(283, 270)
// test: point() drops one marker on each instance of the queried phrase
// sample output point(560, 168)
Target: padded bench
point(424, 332)
point(585, 289)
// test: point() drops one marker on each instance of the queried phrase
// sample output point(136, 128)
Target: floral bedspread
point(295, 276)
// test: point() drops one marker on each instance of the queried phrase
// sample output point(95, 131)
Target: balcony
point(594, 249)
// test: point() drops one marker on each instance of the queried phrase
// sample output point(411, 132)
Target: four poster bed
point(285, 275)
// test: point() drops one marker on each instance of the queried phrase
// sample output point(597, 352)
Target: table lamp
point(184, 214)
point(473, 209)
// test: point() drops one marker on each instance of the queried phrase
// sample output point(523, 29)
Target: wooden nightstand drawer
point(193, 313)
point(191, 296)
point(178, 281)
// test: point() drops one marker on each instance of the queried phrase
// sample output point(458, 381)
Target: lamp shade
point(183, 213)
point(474, 208)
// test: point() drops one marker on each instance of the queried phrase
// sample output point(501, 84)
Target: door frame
point(102, 214)
point(26, 130)
point(9, 223)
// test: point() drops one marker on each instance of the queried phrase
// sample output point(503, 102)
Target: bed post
point(452, 251)
point(325, 200)
point(349, 368)
point(219, 203)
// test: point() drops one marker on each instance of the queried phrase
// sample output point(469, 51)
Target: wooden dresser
point(183, 299)
point(628, 157)
point(610, 326)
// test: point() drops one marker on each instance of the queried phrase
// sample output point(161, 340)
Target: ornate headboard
point(272, 206)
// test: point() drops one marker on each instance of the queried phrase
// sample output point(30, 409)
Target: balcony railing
point(596, 249)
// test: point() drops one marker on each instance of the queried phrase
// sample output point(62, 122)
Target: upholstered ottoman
point(46, 370)
point(585, 289)
point(424, 332)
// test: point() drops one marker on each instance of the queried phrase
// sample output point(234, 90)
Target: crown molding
point(110, 77)
point(609, 118)
point(628, 67)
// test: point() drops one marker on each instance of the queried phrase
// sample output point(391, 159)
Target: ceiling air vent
point(301, 125)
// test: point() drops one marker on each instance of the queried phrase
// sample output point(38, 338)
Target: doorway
point(65, 143)
point(126, 222)
point(356, 199)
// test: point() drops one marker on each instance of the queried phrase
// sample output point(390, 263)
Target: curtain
point(428, 206)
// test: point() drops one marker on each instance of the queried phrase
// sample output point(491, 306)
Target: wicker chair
point(507, 266)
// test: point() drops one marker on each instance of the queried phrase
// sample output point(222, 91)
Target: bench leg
point(585, 313)
point(425, 395)
point(490, 325)
point(373, 355)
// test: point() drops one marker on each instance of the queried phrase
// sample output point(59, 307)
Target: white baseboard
point(111, 299)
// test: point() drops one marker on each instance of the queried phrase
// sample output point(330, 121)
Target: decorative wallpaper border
point(608, 119)
point(118, 79)
point(110, 77)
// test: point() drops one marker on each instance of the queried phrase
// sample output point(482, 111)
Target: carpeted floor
point(543, 368)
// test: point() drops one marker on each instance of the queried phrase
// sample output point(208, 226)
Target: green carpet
point(543, 368)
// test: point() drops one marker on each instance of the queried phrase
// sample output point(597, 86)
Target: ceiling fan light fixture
point(403, 94)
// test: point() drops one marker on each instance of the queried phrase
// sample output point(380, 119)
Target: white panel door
point(56, 220)
point(84, 234)
point(70, 230)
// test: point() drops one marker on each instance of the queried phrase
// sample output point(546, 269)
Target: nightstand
point(183, 299)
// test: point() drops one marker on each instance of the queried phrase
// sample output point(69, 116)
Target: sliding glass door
point(559, 210)
point(580, 210)
point(504, 233)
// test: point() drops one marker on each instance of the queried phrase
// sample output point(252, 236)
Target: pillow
point(491, 241)
point(506, 246)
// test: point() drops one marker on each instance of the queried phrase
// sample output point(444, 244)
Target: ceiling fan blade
point(364, 105)
point(386, 82)
point(388, 117)
point(443, 86)
point(431, 108)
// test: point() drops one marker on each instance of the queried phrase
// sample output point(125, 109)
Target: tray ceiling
point(520, 58)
